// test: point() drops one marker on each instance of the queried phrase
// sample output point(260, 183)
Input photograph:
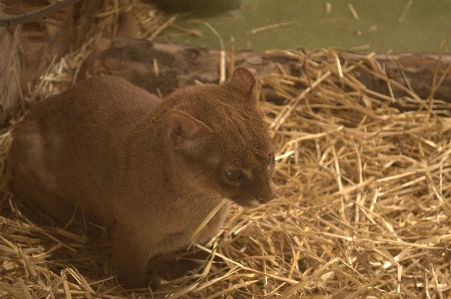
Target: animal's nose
point(264, 198)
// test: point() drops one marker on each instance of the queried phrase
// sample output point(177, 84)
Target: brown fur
point(149, 171)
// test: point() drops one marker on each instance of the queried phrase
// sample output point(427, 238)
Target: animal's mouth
point(250, 203)
point(256, 202)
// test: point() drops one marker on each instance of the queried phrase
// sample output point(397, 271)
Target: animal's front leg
point(130, 255)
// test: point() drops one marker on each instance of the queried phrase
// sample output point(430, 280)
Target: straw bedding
point(363, 209)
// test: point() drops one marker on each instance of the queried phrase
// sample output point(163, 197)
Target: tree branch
point(38, 14)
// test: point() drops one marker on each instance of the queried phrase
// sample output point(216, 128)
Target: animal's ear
point(182, 130)
point(243, 82)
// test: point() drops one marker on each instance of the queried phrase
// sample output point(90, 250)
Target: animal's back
point(64, 146)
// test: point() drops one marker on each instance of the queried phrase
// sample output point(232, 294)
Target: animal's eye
point(233, 175)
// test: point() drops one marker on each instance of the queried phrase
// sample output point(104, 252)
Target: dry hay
point(363, 209)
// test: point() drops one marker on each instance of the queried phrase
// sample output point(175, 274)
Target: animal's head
point(219, 142)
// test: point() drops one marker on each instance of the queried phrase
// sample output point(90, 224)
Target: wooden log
point(27, 50)
point(161, 68)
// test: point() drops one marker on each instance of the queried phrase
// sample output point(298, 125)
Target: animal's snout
point(265, 198)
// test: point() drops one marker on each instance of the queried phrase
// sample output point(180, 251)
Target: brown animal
point(150, 171)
